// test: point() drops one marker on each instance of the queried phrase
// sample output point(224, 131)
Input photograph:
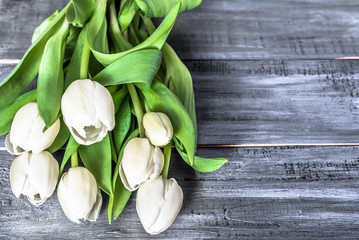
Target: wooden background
point(266, 80)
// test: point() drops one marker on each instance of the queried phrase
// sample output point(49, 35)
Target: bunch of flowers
point(112, 91)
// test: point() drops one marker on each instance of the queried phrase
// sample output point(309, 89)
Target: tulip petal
point(19, 173)
point(12, 149)
point(104, 106)
point(171, 208)
point(43, 175)
point(149, 202)
point(95, 211)
point(158, 160)
point(77, 193)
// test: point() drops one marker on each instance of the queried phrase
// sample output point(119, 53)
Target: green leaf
point(160, 99)
point(97, 159)
point(61, 138)
point(127, 11)
point(50, 82)
point(71, 147)
point(74, 67)
point(71, 42)
point(182, 80)
point(113, 150)
point(25, 72)
point(80, 11)
point(7, 114)
point(123, 123)
point(97, 28)
point(139, 66)
point(39, 31)
point(121, 198)
point(160, 8)
point(156, 40)
point(118, 97)
point(203, 164)
point(121, 194)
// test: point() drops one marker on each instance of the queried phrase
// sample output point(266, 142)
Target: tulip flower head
point(34, 175)
point(79, 196)
point(88, 111)
point(141, 161)
point(158, 128)
point(158, 203)
point(26, 133)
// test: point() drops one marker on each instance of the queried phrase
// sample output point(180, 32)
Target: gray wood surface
point(226, 29)
point(262, 193)
point(263, 74)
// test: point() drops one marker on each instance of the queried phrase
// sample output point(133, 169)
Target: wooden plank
point(261, 193)
point(227, 29)
point(273, 101)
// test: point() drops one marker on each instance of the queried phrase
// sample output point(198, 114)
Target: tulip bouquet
point(114, 93)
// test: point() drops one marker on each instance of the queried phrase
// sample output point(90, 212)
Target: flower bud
point(141, 161)
point(88, 111)
point(79, 196)
point(34, 175)
point(158, 128)
point(158, 203)
point(26, 133)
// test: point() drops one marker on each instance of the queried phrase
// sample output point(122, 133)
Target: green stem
point(85, 59)
point(167, 154)
point(138, 108)
point(74, 160)
point(149, 25)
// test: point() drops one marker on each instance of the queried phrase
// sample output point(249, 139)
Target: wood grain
point(261, 193)
point(273, 101)
point(247, 29)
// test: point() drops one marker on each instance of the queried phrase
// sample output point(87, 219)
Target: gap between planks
point(263, 145)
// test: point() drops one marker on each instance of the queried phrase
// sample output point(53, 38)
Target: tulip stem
point(138, 108)
point(167, 154)
point(74, 159)
point(85, 59)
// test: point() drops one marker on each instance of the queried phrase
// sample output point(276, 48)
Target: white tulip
point(26, 133)
point(141, 161)
point(34, 175)
point(158, 128)
point(88, 111)
point(79, 196)
point(158, 203)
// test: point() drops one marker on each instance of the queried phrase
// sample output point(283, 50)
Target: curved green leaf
point(74, 67)
point(7, 114)
point(97, 28)
point(97, 159)
point(156, 40)
point(25, 72)
point(79, 11)
point(160, 8)
point(127, 11)
point(39, 31)
point(71, 42)
point(160, 99)
point(123, 123)
point(61, 138)
point(118, 97)
point(182, 80)
point(50, 82)
point(71, 147)
point(140, 66)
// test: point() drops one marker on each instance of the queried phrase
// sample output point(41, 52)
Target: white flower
point(158, 128)
point(141, 161)
point(79, 196)
point(34, 175)
point(158, 203)
point(26, 133)
point(88, 111)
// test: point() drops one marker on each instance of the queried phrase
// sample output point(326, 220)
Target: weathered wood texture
point(262, 193)
point(230, 29)
point(274, 101)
